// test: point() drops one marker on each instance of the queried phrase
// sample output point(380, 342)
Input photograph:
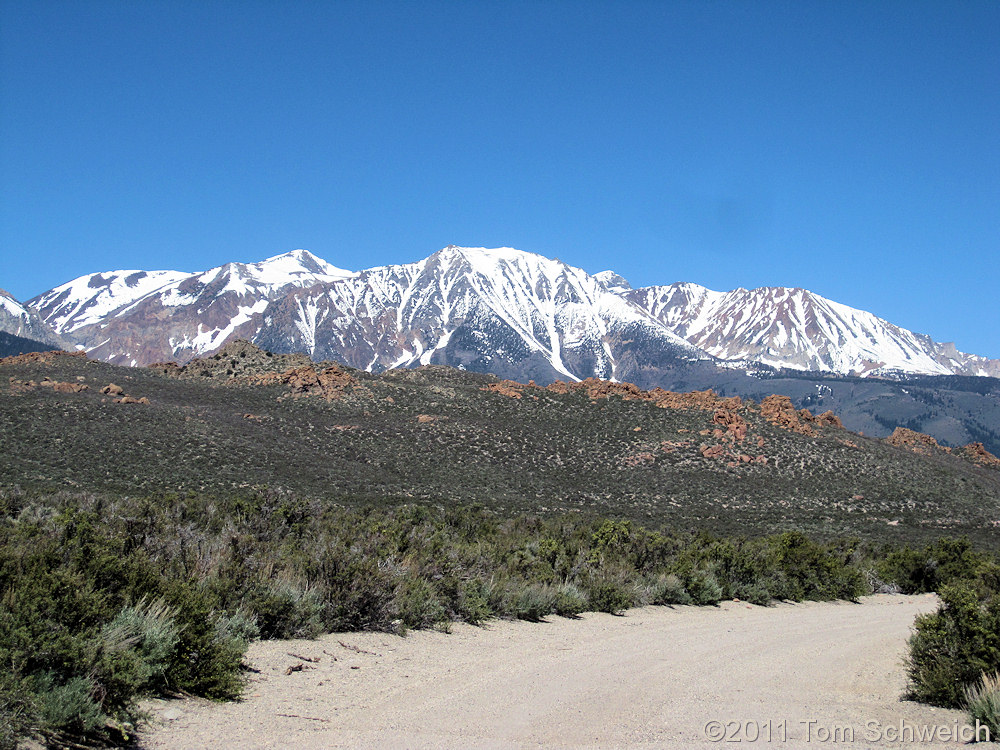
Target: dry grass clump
point(983, 703)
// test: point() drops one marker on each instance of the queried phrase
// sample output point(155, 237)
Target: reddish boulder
point(712, 451)
point(977, 453)
point(914, 441)
point(779, 411)
point(829, 419)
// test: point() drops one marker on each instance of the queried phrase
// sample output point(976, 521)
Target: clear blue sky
point(852, 148)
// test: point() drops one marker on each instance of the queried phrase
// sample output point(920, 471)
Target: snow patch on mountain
point(88, 300)
point(797, 329)
point(20, 320)
point(502, 310)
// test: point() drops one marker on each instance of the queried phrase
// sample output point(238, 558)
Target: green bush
point(954, 646)
point(928, 569)
point(472, 606)
point(18, 710)
point(137, 648)
point(105, 599)
point(666, 588)
point(608, 594)
point(70, 705)
point(703, 587)
point(570, 600)
point(418, 603)
point(282, 610)
point(534, 601)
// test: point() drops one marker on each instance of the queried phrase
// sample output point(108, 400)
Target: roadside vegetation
point(954, 653)
point(144, 543)
point(433, 435)
point(107, 599)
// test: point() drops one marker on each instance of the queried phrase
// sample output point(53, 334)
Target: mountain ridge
point(501, 310)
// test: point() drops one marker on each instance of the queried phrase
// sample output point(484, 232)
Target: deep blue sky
point(849, 148)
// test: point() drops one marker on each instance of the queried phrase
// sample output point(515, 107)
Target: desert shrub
point(666, 588)
point(928, 569)
point(498, 592)
point(982, 702)
point(18, 710)
point(954, 646)
point(103, 599)
point(534, 601)
point(763, 593)
point(283, 610)
point(137, 647)
point(238, 626)
point(608, 593)
point(570, 600)
point(68, 705)
point(418, 604)
point(703, 587)
point(209, 653)
point(611, 536)
point(815, 571)
point(358, 594)
point(471, 604)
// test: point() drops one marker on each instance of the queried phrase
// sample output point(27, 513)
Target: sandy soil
point(652, 678)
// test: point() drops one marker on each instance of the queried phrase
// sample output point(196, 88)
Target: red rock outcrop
point(23, 386)
point(67, 387)
point(42, 358)
point(779, 411)
point(915, 441)
point(733, 423)
point(430, 418)
point(509, 388)
point(977, 453)
point(595, 388)
point(132, 400)
point(925, 445)
point(829, 419)
point(712, 451)
point(331, 383)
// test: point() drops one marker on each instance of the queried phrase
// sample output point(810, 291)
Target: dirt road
point(793, 675)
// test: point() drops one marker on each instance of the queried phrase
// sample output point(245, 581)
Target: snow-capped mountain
point(512, 313)
point(504, 311)
point(138, 317)
point(19, 320)
point(797, 329)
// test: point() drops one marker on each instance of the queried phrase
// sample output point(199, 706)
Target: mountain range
point(504, 311)
point(525, 317)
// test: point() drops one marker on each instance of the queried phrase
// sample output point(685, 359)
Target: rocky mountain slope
point(504, 311)
point(24, 322)
point(137, 317)
point(796, 329)
point(500, 311)
point(244, 418)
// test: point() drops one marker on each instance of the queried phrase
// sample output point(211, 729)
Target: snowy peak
point(131, 316)
point(297, 265)
point(797, 329)
point(10, 306)
point(498, 309)
point(88, 300)
point(613, 282)
point(514, 313)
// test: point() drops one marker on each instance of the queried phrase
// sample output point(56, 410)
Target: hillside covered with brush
point(244, 420)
